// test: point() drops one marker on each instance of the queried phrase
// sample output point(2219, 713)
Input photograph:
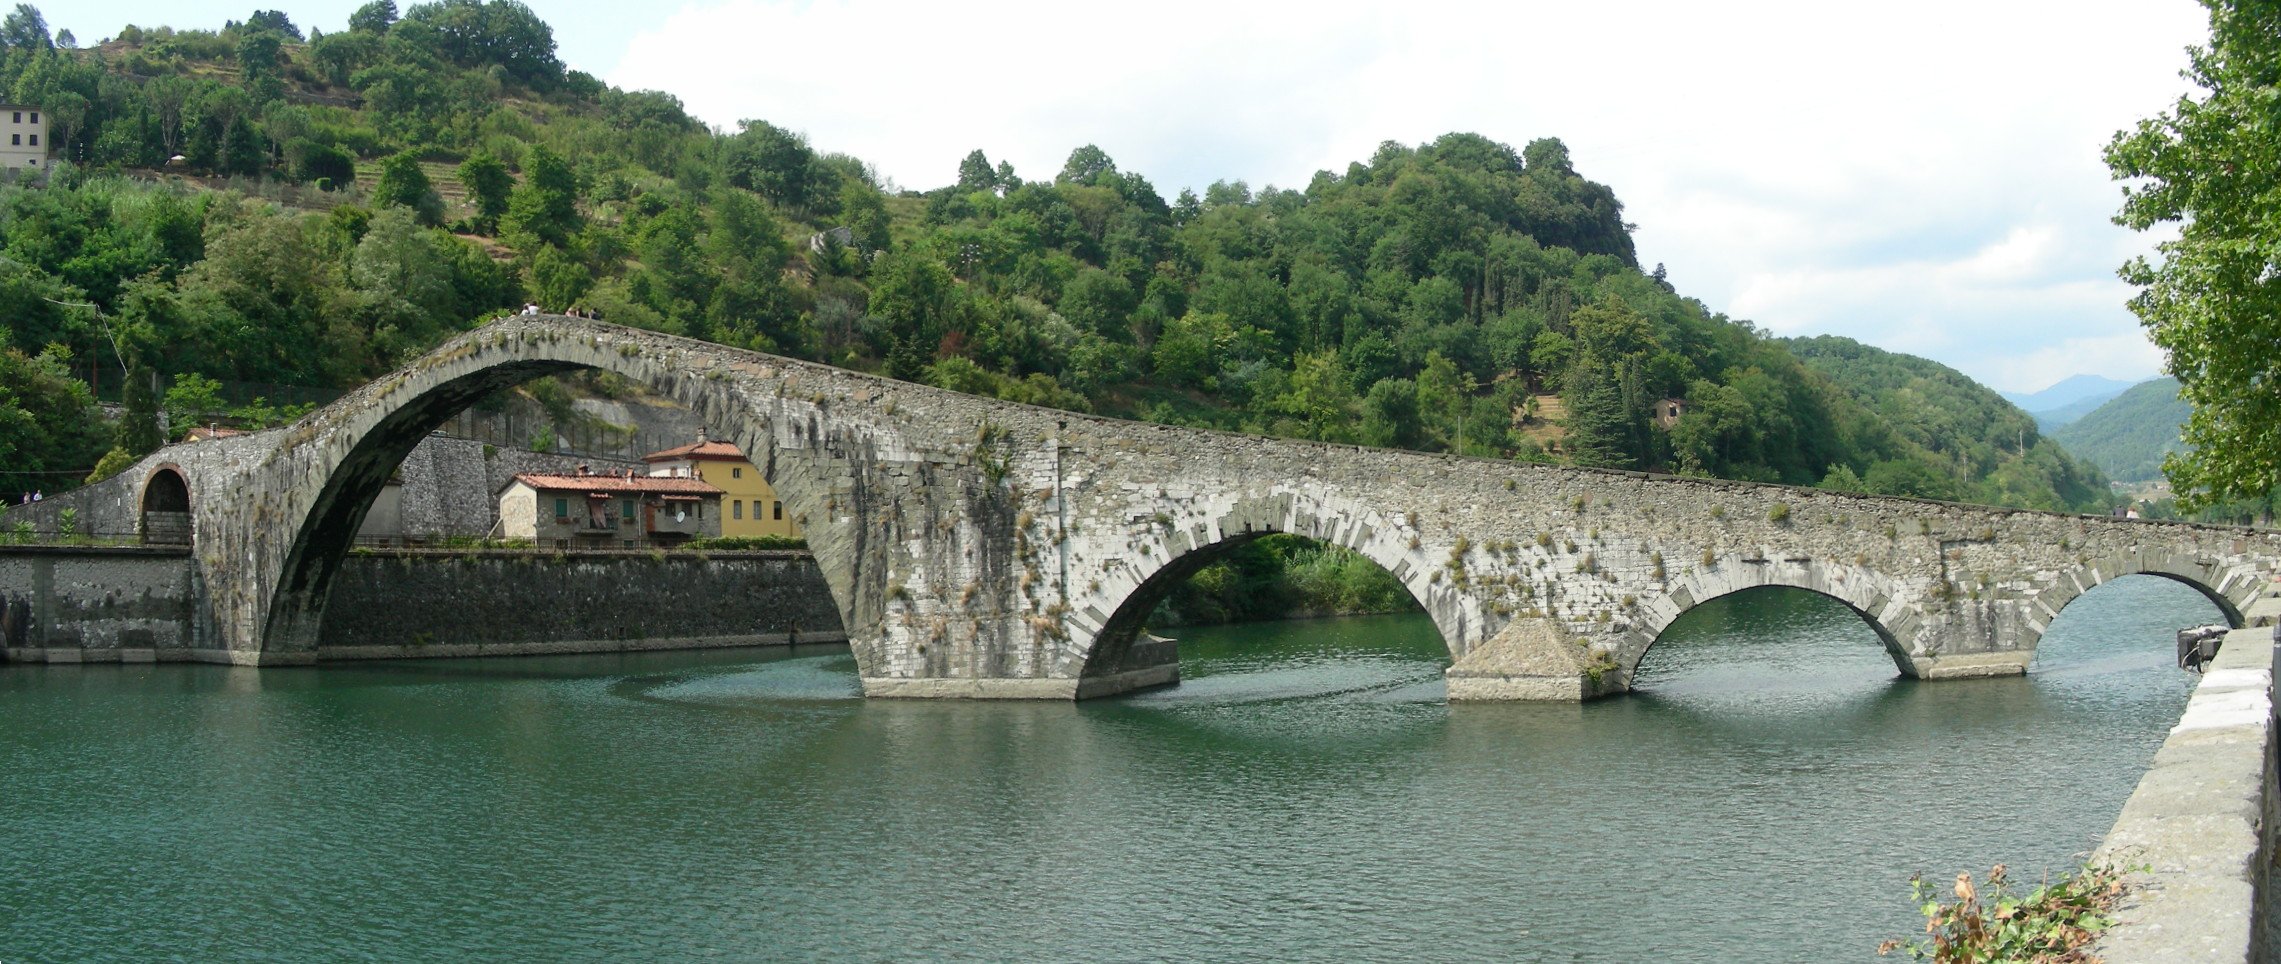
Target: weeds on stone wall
point(2053, 924)
point(731, 543)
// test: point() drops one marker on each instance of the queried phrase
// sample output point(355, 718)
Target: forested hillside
point(1977, 446)
point(2129, 435)
point(258, 205)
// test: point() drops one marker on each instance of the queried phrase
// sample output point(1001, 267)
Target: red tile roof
point(640, 484)
point(722, 451)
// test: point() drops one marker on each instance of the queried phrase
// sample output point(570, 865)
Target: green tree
point(544, 207)
point(113, 462)
point(138, 431)
point(25, 29)
point(1390, 415)
point(374, 17)
point(557, 279)
point(2212, 166)
point(488, 184)
point(403, 183)
point(975, 172)
point(241, 149)
point(193, 400)
point(316, 162)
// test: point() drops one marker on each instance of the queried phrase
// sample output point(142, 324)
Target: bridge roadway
point(986, 549)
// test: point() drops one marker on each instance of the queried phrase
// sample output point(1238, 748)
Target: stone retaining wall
point(442, 603)
point(68, 604)
point(2199, 830)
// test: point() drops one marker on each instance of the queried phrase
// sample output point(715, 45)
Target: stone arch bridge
point(979, 548)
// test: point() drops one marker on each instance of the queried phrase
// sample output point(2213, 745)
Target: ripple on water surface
point(1305, 793)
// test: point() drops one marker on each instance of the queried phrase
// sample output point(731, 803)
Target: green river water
point(1305, 794)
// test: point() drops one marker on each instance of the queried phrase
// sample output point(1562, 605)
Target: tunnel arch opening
point(1310, 572)
point(165, 519)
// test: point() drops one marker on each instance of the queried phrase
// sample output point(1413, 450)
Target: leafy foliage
point(2053, 924)
point(1278, 576)
point(2212, 167)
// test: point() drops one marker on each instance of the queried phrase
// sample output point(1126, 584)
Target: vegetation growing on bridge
point(353, 197)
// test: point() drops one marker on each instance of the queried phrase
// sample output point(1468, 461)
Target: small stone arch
point(1118, 647)
point(165, 512)
point(2231, 588)
point(1866, 592)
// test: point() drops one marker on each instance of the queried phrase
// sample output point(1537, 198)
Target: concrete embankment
point(90, 604)
point(2197, 835)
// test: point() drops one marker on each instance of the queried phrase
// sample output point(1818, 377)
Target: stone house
point(627, 511)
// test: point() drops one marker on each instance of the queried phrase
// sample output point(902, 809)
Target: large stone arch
point(1869, 594)
point(163, 507)
point(2231, 588)
point(271, 578)
point(1119, 658)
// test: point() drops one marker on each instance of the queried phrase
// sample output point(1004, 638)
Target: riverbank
point(2197, 835)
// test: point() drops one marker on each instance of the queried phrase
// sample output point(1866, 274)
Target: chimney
point(701, 439)
point(584, 469)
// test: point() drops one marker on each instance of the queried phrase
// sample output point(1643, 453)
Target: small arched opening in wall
point(1259, 579)
point(166, 517)
point(2128, 619)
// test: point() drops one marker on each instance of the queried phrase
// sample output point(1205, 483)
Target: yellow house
point(748, 506)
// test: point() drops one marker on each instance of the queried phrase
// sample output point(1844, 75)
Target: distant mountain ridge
point(2070, 390)
point(2128, 436)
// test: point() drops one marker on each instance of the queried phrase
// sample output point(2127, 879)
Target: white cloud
point(1801, 164)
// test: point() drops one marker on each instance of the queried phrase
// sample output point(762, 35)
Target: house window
point(779, 510)
point(700, 510)
point(736, 507)
point(736, 473)
point(562, 508)
point(626, 510)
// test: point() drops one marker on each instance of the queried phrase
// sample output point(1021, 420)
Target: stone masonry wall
point(70, 605)
point(417, 603)
point(66, 605)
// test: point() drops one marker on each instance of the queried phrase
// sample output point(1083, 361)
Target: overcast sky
point(1925, 178)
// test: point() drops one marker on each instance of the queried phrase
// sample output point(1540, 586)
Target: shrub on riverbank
point(2054, 924)
point(1280, 577)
